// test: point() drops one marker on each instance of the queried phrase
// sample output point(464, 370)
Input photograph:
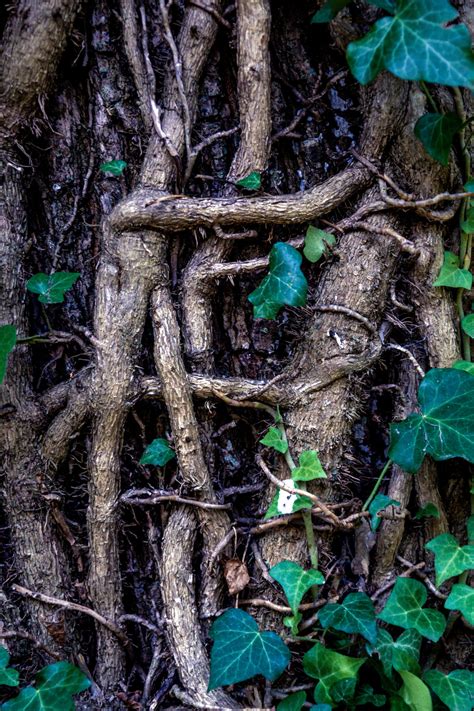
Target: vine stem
point(377, 485)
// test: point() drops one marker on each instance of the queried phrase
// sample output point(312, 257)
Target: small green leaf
point(467, 325)
point(450, 558)
point(240, 651)
point(456, 689)
point(55, 686)
point(380, 503)
point(309, 467)
point(328, 668)
point(402, 654)
point(285, 284)
point(158, 453)
point(252, 181)
point(295, 581)
point(445, 427)
point(466, 365)
point(316, 243)
point(329, 11)
point(452, 275)
point(461, 598)
point(427, 511)
point(356, 614)
point(8, 676)
point(468, 224)
point(293, 702)
point(51, 288)
point(342, 692)
point(416, 45)
point(285, 503)
point(274, 440)
point(7, 344)
point(365, 696)
point(404, 608)
point(115, 167)
point(415, 693)
point(293, 622)
point(436, 132)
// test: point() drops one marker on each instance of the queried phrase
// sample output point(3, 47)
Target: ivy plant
point(295, 581)
point(114, 167)
point(461, 598)
point(54, 689)
point(7, 344)
point(158, 453)
point(451, 559)
point(404, 608)
point(252, 181)
point(51, 288)
point(451, 273)
point(8, 676)
point(284, 285)
point(456, 689)
point(437, 132)
point(355, 615)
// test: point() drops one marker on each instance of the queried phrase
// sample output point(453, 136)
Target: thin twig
point(212, 11)
point(405, 244)
point(261, 602)
point(409, 355)
point(11, 634)
point(336, 308)
point(150, 497)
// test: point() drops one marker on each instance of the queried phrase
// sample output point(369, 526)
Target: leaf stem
point(429, 96)
point(377, 485)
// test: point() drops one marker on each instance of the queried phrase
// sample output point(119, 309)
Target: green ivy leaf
point(436, 132)
point(456, 689)
point(415, 693)
point(51, 288)
point(309, 467)
point(55, 685)
point(158, 453)
point(356, 614)
point(329, 10)
point(7, 344)
point(400, 654)
point(445, 427)
point(293, 622)
point(293, 702)
point(328, 668)
point(286, 503)
point(468, 224)
point(427, 511)
point(380, 502)
point(404, 608)
point(240, 651)
point(274, 440)
point(415, 46)
point(366, 696)
point(316, 243)
point(285, 284)
point(115, 167)
point(295, 581)
point(452, 275)
point(252, 181)
point(461, 598)
point(342, 692)
point(470, 529)
point(467, 325)
point(451, 559)
point(8, 677)
point(466, 365)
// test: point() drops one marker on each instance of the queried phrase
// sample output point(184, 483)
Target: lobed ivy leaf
point(356, 614)
point(316, 243)
point(436, 132)
point(285, 503)
point(309, 467)
point(452, 275)
point(115, 167)
point(293, 622)
point(293, 702)
point(158, 453)
point(252, 181)
point(456, 689)
point(445, 427)
point(429, 510)
point(451, 559)
point(8, 676)
point(55, 686)
point(461, 598)
point(400, 654)
point(467, 325)
point(285, 284)
point(274, 440)
point(295, 581)
point(366, 696)
point(329, 10)
point(328, 668)
point(415, 693)
point(240, 651)
point(7, 344)
point(415, 45)
point(404, 608)
point(466, 365)
point(380, 502)
point(343, 692)
point(52, 287)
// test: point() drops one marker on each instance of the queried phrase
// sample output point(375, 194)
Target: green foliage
point(274, 440)
point(286, 503)
point(380, 502)
point(450, 558)
point(157, 453)
point(445, 427)
point(293, 702)
point(356, 614)
point(461, 598)
point(452, 275)
point(252, 181)
point(295, 581)
point(436, 132)
point(401, 654)
point(240, 651)
point(414, 45)
point(316, 243)
point(7, 344)
point(467, 325)
point(456, 689)
point(365, 696)
point(404, 608)
point(329, 10)
point(328, 668)
point(309, 467)
point(427, 511)
point(293, 622)
point(8, 676)
point(285, 284)
point(415, 693)
point(52, 287)
point(466, 365)
point(55, 686)
point(114, 167)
